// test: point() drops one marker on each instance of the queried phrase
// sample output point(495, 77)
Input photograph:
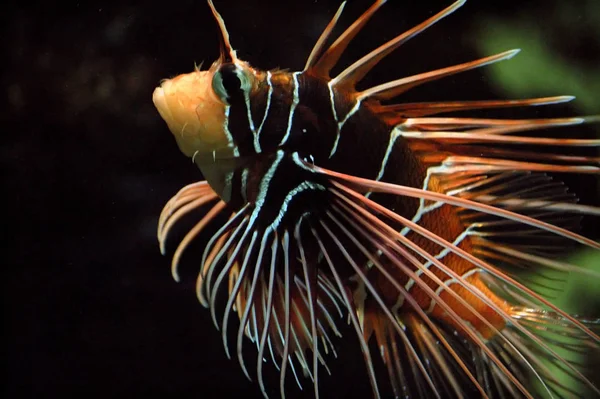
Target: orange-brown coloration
point(408, 266)
point(444, 222)
point(299, 312)
point(478, 305)
point(194, 113)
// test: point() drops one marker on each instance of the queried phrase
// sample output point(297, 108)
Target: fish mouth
point(194, 113)
point(160, 102)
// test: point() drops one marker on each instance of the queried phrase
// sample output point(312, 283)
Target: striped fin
point(371, 185)
point(318, 48)
point(363, 222)
point(530, 255)
point(282, 302)
point(227, 52)
point(396, 113)
point(261, 265)
point(290, 269)
point(325, 63)
point(322, 65)
point(394, 88)
point(357, 71)
point(289, 301)
point(470, 145)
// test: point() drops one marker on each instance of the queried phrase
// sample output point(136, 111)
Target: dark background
point(89, 304)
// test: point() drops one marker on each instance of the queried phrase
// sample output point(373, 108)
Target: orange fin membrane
point(286, 306)
point(289, 288)
point(447, 334)
point(530, 255)
point(493, 331)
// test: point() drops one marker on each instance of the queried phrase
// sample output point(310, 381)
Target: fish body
point(341, 205)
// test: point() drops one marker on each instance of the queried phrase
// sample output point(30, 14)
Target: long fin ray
point(423, 109)
point(353, 318)
point(454, 123)
point(267, 318)
point(286, 311)
point(376, 186)
point(192, 234)
point(403, 291)
point(394, 88)
point(234, 292)
point(326, 63)
point(213, 291)
point(317, 50)
point(467, 329)
point(213, 248)
point(311, 288)
point(187, 199)
point(374, 221)
point(250, 301)
point(451, 200)
point(357, 71)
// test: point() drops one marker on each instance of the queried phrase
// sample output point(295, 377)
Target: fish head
point(194, 113)
point(196, 106)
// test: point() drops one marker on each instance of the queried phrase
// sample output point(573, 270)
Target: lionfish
point(326, 203)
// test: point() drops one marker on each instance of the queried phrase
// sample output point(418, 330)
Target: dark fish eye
point(227, 82)
point(231, 80)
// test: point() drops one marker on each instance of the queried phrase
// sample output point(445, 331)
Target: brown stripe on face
point(248, 107)
point(276, 123)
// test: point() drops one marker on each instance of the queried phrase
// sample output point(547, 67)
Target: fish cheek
point(211, 120)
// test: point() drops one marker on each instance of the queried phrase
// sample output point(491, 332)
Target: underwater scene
point(302, 199)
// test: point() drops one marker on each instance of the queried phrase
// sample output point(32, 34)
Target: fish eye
point(230, 82)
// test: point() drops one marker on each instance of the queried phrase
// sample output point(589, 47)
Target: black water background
point(89, 304)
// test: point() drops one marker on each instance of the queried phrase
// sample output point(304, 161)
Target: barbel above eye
point(230, 82)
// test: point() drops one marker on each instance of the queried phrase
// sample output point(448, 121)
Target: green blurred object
point(540, 69)
point(543, 70)
point(581, 291)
